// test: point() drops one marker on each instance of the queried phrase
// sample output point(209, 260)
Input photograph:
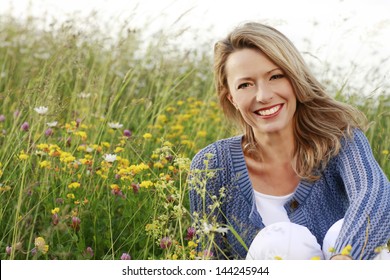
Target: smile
point(269, 111)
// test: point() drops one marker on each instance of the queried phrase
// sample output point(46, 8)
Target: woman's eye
point(277, 76)
point(243, 85)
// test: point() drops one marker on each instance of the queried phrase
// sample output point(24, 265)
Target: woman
point(301, 166)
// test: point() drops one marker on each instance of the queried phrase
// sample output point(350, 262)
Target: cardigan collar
point(243, 181)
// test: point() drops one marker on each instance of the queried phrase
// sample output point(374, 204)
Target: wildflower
point(385, 152)
point(52, 124)
point(207, 228)
point(8, 250)
point(33, 251)
point(109, 157)
point(201, 133)
point(207, 254)
point(135, 187)
point(44, 164)
point(75, 223)
point(74, 185)
point(147, 136)
point(82, 134)
point(165, 242)
point(49, 132)
point(146, 184)
point(25, 126)
point(55, 210)
point(89, 251)
point(23, 155)
point(115, 190)
point(346, 250)
point(70, 196)
point(125, 256)
point(2, 118)
point(41, 110)
point(83, 95)
point(40, 245)
point(192, 244)
point(127, 133)
point(115, 125)
point(190, 233)
point(118, 150)
point(55, 219)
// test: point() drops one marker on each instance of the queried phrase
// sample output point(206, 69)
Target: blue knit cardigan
point(352, 186)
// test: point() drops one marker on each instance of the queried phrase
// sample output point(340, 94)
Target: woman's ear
point(229, 96)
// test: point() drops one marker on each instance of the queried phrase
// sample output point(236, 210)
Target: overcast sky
point(346, 30)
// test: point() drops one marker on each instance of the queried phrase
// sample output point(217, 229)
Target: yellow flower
point(146, 184)
point(106, 144)
point(147, 136)
point(385, 152)
point(74, 185)
point(41, 246)
point(158, 165)
point(70, 196)
point(118, 150)
point(55, 210)
point(192, 244)
point(67, 157)
point(201, 133)
point(23, 155)
point(82, 134)
point(44, 164)
point(347, 250)
point(5, 188)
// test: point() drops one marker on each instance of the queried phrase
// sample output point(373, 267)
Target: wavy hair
point(320, 121)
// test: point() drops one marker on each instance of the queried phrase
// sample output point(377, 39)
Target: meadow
point(96, 138)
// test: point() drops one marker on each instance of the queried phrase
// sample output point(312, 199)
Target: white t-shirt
point(271, 208)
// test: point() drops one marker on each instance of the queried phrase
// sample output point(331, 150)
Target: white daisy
point(115, 125)
point(41, 110)
point(109, 157)
point(52, 124)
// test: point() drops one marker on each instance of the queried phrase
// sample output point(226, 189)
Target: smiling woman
point(301, 173)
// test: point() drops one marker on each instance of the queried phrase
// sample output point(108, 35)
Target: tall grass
point(102, 174)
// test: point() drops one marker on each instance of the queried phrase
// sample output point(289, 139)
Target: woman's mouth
point(270, 111)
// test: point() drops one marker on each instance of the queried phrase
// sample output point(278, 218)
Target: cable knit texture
point(352, 186)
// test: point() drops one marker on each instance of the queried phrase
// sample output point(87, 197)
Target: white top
point(271, 208)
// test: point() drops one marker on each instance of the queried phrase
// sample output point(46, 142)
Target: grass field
point(96, 138)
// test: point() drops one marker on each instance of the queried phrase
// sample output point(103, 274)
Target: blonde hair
point(320, 122)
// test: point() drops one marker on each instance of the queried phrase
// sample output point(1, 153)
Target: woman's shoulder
point(357, 140)
point(216, 150)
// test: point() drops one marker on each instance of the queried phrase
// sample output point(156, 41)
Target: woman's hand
point(341, 257)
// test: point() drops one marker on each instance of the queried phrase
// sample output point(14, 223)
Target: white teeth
point(269, 111)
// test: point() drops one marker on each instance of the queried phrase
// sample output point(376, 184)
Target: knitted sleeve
point(205, 183)
point(367, 220)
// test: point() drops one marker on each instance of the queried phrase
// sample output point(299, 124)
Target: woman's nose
point(264, 94)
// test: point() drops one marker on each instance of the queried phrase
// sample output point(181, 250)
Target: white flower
point(115, 125)
point(52, 124)
point(222, 230)
point(207, 228)
point(41, 110)
point(84, 95)
point(109, 157)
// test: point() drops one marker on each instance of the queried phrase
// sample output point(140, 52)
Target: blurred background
point(336, 32)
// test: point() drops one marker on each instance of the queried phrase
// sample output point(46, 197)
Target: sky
point(339, 31)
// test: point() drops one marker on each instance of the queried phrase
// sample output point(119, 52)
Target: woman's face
point(260, 91)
